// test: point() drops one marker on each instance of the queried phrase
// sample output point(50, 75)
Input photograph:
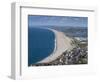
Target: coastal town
point(78, 55)
point(59, 40)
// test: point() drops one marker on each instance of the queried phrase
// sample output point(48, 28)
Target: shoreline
point(62, 43)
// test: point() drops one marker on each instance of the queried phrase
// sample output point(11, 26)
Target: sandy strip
point(63, 43)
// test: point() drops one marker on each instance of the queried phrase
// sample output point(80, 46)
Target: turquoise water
point(41, 43)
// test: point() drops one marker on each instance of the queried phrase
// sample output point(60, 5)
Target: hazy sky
point(36, 20)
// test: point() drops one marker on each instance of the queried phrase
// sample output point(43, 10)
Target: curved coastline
point(62, 43)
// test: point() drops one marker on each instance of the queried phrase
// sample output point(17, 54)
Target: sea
point(41, 43)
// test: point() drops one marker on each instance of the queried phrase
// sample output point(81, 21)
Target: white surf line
point(63, 43)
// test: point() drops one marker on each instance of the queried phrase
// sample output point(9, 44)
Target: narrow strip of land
point(63, 43)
